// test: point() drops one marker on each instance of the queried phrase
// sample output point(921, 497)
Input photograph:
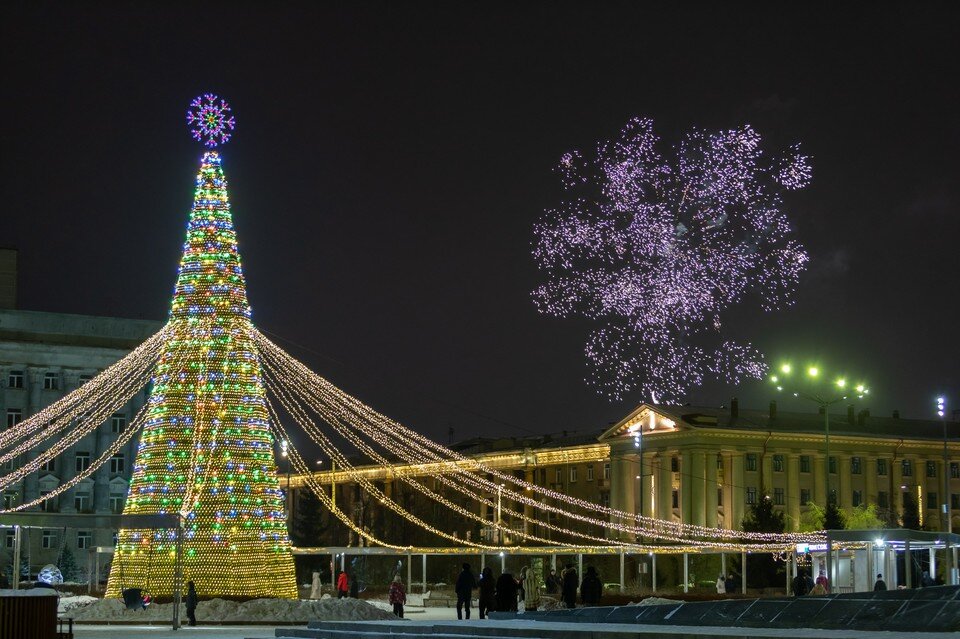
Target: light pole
point(941, 412)
point(824, 401)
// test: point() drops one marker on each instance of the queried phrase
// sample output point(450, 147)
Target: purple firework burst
point(656, 246)
point(210, 120)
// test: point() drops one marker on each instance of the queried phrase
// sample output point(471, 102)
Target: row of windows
point(856, 465)
point(82, 501)
point(117, 422)
point(50, 539)
point(51, 380)
point(574, 473)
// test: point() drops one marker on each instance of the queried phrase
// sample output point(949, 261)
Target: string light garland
point(656, 246)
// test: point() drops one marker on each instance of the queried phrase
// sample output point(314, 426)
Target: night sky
point(390, 160)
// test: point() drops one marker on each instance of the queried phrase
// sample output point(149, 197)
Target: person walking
point(192, 600)
point(531, 589)
point(398, 596)
point(591, 589)
point(721, 585)
point(464, 589)
point(879, 584)
point(488, 593)
point(800, 587)
point(343, 584)
point(571, 582)
point(506, 594)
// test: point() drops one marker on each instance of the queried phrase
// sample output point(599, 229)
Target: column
point(792, 491)
point(686, 487)
point(738, 490)
point(844, 485)
point(623, 483)
point(647, 484)
point(728, 491)
point(664, 487)
point(695, 475)
point(711, 489)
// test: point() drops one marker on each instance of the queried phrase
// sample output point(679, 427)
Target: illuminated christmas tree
point(206, 449)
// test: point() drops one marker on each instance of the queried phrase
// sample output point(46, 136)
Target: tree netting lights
point(206, 450)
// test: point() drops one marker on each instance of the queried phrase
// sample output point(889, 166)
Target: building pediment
point(647, 417)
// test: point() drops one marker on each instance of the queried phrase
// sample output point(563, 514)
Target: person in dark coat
point(592, 588)
point(192, 600)
point(506, 595)
point(571, 582)
point(464, 589)
point(731, 584)
point(880, 584)
point(800, 587)
point(488, 592)
point(553, 583)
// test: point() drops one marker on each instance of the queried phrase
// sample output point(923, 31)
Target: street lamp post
point(941, 412)
point(824, 402)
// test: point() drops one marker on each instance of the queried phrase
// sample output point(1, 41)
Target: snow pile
point(71, 604)
point(653, 601)
point(254, 611)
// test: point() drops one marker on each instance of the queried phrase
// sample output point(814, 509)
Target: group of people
point(506, 592)
point(803, 584)
point(726, 584)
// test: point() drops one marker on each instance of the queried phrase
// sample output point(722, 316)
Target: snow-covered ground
point(256, 611)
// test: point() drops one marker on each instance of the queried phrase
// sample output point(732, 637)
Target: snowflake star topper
point(210, 120)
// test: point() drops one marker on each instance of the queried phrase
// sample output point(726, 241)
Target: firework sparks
point(657, 246)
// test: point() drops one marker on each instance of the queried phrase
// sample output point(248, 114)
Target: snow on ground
point(256, 611)
point(653, 601)
point(73, 603)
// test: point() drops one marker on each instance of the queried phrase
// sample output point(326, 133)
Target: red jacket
point(398, 595)
point(343, 582)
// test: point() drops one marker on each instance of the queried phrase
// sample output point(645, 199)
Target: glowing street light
point(945, 506)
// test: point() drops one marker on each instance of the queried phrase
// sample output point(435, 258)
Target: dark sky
point(390, 160)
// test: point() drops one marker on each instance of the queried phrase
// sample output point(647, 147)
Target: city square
point(545, 315)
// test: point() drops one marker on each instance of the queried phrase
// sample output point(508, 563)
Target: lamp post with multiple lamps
point(945, 512)
point(839, 391)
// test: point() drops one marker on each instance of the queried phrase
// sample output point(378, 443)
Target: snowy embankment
point(256, 611)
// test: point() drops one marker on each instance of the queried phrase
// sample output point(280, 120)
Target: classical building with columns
point(44, 356)
point(698, 465)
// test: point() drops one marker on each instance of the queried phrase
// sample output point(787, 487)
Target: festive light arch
point(208, 429)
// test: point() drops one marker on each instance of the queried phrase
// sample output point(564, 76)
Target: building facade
point(696, 465)
point(44, 356)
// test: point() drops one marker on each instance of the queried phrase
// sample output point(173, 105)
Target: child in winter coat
point(398, 596)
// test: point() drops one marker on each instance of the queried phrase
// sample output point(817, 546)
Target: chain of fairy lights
point(347, 428)
point(109, 452)
point(58, 415)
point(87, 423)
point(316, 435)
point(343, 428)
point(460, 464)
point(473, 480)
point(301, 466)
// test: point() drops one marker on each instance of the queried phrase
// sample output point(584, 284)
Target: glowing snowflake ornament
point(655, 244)
point(210, 120)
